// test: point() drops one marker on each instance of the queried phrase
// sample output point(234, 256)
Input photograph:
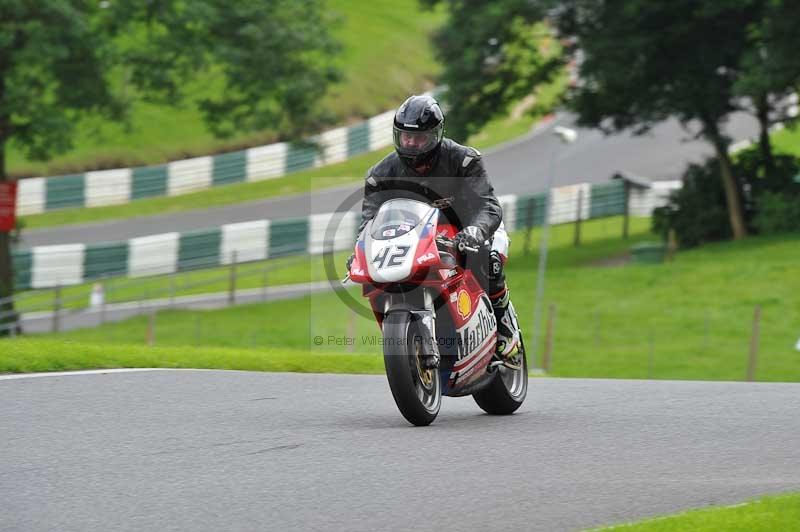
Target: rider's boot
point(507, 328)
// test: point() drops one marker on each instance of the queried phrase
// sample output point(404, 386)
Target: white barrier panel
point(249, 240)
point(564, 203)
point(334, 146)
point(793, 110)
point(322, 226)
point(189, 175)
point(57, 265)
point(509, 205)
point(642, 202)
point(31, 196)
point(266, 162)
point(108, 187)
point(380, 130)
point(153, 255)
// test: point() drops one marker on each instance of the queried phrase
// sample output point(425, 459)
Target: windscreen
point(398, 217)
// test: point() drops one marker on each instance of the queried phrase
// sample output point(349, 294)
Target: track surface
point(194, 450)
point(516, 168)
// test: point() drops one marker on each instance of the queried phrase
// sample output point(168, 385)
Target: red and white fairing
point(392, 259)
point(390, 251)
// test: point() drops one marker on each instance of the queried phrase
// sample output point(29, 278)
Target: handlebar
point(447, 242)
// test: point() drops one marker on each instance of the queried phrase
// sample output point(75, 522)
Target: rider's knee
point(501, 242)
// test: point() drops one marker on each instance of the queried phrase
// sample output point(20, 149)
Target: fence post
point(265, 283)
point(548, 342)
point(103, 305)
point(754, 340)
point(597, 327)
point(626, 207)
point(57, 309)
point(232, 281)
point(197, 331)
point(577, 240)
point(529, 217)
point(151, 327)
point(12, 321)
point(672, 245)
point(351, 331)
point(171, 289)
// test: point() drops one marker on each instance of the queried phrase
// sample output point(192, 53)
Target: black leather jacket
point(457, 180)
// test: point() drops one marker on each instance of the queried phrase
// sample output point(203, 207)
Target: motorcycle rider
point(453, 178)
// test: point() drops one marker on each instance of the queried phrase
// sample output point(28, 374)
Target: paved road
point(195, 450)
point(518, 167)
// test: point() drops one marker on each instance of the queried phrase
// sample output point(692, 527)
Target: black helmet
point(418, 130)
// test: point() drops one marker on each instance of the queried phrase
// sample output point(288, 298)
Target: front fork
point(430, 347)
point(426, 318)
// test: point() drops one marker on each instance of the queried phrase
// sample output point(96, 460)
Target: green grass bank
point(767, 514)
point(690, 318)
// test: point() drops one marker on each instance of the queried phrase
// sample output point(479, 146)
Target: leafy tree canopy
point(492, 56)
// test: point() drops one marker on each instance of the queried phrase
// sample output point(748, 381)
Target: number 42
point(395, 258)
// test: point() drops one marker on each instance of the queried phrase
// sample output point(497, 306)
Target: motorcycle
point(439, 329)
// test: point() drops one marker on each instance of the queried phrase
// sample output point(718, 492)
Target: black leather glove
point(350, 260)
point(470, 236)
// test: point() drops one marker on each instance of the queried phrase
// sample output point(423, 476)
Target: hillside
point(378, 70)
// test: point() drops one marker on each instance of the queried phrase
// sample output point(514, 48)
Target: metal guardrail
point(242, 244)
point(122, 185)
point(69, 264)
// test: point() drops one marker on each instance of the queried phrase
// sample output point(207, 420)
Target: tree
point(770, 70)
point(62, 59)
point(492, 56)
point(648, 61)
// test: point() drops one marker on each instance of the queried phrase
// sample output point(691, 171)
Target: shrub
point(698, 212)
point(777, 212)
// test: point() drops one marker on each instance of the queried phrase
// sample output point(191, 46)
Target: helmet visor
point(414, 143)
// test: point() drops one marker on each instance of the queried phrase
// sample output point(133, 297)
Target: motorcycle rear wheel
point(507, 391)
point(417, 391)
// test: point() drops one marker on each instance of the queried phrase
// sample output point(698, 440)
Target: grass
point(686, 319)
point(40, 354)
point(353, 170)
point(787, 141)
point(780, 512)
point(377, 73)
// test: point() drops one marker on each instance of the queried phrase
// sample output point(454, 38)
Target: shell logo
point(464, 304)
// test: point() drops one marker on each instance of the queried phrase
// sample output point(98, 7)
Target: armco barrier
point(49, 266)
point(119, 186)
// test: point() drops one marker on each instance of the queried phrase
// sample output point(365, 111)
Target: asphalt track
point(518, 167)
point(210, 451)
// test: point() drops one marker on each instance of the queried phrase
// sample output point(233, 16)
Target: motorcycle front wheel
point(417, 391)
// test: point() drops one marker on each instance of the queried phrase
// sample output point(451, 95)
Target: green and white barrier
point(120, 186)
point(49, 266)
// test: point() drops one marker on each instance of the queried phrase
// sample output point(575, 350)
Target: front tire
point(417, 391)
point(507, 391)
